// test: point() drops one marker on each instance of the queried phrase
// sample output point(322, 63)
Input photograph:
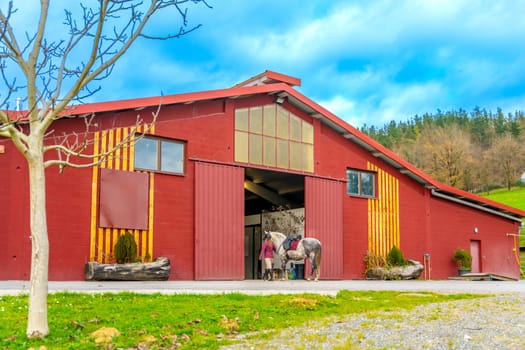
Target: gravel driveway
point(488, 323)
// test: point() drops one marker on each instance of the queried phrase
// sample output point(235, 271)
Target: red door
point(475, 251)
point(219, 222)
point(324, 221)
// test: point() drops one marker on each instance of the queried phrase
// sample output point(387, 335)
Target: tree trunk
point(37, 323)
point(158, 270)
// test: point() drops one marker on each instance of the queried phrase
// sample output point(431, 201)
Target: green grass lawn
point(157, 321)
point(514, 198)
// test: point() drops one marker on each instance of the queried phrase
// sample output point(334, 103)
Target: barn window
point(156, 154)
point(360, 183)
point(273, 136)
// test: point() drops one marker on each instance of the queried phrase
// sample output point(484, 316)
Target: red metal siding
point(453, 226)
point(324, 221)
point(219, 222)
point(15, 246)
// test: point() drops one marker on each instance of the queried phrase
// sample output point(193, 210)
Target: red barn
point(196, 189)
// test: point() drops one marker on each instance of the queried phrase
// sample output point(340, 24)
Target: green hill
point(514, 198)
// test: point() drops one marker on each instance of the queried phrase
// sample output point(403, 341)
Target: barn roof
point(281, 86)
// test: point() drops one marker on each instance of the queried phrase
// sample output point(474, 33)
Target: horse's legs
point(315, 268)
point(284, 275)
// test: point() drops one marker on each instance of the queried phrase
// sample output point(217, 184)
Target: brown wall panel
point(123, 199)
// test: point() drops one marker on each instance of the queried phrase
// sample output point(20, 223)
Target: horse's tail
point(318, 260)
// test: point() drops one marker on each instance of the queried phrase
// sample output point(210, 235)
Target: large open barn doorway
point(266, 191)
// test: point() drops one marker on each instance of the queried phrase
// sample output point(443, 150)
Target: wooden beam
point(263, 192)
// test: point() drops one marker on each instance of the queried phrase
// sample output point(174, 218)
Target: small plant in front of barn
point(395, 257)
point(463, 259)
point(373, 261)
point(392, 267)
point(126, 249)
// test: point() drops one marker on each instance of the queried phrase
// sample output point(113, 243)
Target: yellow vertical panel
point(111, 144)
point(143, 242)
point(151, 211)
point(103, 148)
point(94, 191)
point(380, 213)
point(131, 160)
point(152, 129)
point(391, 229)
point(388, 198)
point(369, 216)
point(385, 213)
point(100, 244)
point(374, 226)
point(115, 235)
point(136, 235)
point(107, 238)
point(118, 152)
point(125, 150)
point(398, 233)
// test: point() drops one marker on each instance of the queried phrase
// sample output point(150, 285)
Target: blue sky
point(369, 62)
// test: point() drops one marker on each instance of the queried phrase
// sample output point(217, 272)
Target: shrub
point(463, 258)
point(395, 257)
point(373, 261)
point(126, 249)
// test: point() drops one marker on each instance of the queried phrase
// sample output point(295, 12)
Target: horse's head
point(277, 237)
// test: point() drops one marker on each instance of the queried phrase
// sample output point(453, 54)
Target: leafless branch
point(70, 148)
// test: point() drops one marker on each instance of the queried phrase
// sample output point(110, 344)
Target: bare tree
point(505, 159)
point(50, 76)
point(445, 153)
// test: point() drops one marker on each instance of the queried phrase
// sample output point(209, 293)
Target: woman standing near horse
point(267, 250)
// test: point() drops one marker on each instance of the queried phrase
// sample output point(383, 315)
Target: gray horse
point(307, 248)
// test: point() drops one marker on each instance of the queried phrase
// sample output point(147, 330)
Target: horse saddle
point(290, 243)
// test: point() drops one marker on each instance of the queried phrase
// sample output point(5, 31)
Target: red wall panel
point(324, 221)
point(219, 222)
point(15, 243)
point(174, 222)
point(453, 226)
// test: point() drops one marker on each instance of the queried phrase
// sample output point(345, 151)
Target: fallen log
point(158, 270)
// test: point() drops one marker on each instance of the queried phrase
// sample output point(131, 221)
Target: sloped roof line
point(405, 166)
point(318, 111)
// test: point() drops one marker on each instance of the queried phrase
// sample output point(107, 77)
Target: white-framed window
point(360, 183)
point(158, 154)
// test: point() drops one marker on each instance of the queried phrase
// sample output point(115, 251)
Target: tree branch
point(74, 145)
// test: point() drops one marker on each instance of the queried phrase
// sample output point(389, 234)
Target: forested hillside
point(473, 151)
